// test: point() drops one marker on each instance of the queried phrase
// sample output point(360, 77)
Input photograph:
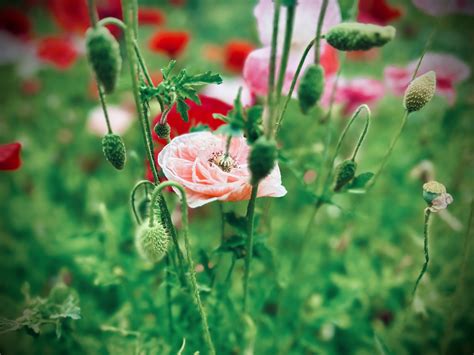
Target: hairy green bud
point(103, 53)
point(420, 92)
point(262, 158)
point(345, 172)
point(162, 130)
point(311, 87)
point(152, 241)
point(354, 36)
point(114, 150)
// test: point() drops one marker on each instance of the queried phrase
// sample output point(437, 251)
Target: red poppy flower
point(10, 156)
point(15, 22)
point(378, 12)
point(198, 114)
point(111, 8)
point(171, 43)
point(150, 16)
point(70, 15)
point(57, 51)
point(329, 60)
point(235, 53)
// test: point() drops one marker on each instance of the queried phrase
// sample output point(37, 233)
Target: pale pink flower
point(256, 68)
point(192, 160)
point(445, 7)
point(120, 120)
point(228, 90)
point(441, 202)
point(449, 71)
point(351, 93)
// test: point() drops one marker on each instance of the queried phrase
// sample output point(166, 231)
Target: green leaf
point(183, 108)
point(229, 130)
point(204, 78)
point(167, 70)
point(224, 118)
point(360, 181)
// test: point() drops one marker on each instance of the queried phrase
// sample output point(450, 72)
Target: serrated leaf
point(218, 116)
point(167, 70)
point(183, 109)
point(203, 78)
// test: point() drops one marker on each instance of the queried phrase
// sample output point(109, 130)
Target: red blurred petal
point(57, 51)
point(329, 60)
point(30, 86)
point(150, 16)
point(10, 156)
point(378, 12)
point(15, 22)
point(70, 15)
point(171, 43)
point(235, 53)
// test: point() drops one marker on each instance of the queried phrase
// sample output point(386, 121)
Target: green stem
point(425, 248)
point(290, 19)
point(363, 134)
point(249, 242)
point(104, 107)
point(93, 17)
point(322, 13)
point(390, 149)
point(168, 297)
point(132, 198)
point(292, 86)
point(272, 68)
point(112, 21)
point(192, 271)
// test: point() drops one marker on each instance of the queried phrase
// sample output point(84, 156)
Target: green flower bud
point(345, 172)
point(311, 87)
point(432, 190)
point(262, 158)
point(420, 92)
point(114, 150)
point(355, 36)
point(104, 55)
point(152, 242)
point(162, 130)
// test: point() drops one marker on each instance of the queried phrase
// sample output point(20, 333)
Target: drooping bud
point(152, 241)
point(354, 36)
point(420, 92)
point(345, 172)
point(114, 150)
point(162, 130)
point(311, 87)
point(435, 195)
point(103, 53)
point(262, 158)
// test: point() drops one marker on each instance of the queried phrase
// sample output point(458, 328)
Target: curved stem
point(132, 198)
point(192, 271)
point(322, 13)
point(272, 68)
point(293, 84)
point(363, 134)
point(290, 19)
point(249, 242)
point(425, 248)
point(93, 17)
point(390, 149)
point(112, 21)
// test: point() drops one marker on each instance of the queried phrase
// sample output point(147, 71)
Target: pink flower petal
point(445, 7)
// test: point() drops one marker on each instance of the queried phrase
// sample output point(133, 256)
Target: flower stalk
point(425, 248)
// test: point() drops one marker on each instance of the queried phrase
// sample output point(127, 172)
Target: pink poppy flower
point(449, 71)
point(120, 120)
point(193, 161)
point(351, 93)
point(228, 90)
point(445, 7)
point(256, 67)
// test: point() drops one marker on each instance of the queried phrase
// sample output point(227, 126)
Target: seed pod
point(345, 172)
point(354, 36)
point(152, 242)
point(262, 158)
point(114, 150)
point(103, 53)
point(311, 87)
point(420, 92)
point(162, 130)
point(432, 190)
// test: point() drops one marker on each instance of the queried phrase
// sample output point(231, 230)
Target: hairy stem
point(317, 48)
point(425, 248)
point(249, 243)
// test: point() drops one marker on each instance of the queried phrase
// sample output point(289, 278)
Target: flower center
point(223, 161)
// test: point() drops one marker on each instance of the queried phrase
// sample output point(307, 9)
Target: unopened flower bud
point(311, 87)
point(420, 92)
point(345, 172)
point(114, 150)
point(354, 36)
point(262, 158)
point(152, 241)
point(162, 130)
point(435, 195)
point(104, 55)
